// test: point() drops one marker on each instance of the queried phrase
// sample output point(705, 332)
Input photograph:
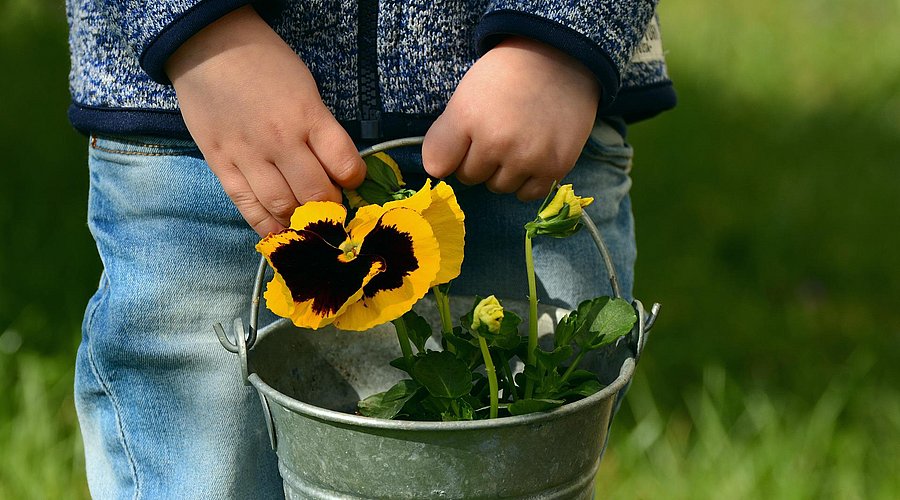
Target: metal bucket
point(310, 381)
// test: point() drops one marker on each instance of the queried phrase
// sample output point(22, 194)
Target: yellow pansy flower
point(369, 271)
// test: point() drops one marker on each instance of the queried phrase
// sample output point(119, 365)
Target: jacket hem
point(127, 121)
point(496, 25)
point(640, 103)
point(89, 120)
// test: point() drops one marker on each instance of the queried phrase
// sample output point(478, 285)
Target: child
point(201, 114)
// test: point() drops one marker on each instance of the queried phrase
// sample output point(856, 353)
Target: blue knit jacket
point(394, 87)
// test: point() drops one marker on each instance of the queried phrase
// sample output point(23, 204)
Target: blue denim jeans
point(162, 408)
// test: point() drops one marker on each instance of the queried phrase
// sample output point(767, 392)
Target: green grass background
point(767, 220)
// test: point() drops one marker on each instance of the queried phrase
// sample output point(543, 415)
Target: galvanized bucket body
point(310, 382)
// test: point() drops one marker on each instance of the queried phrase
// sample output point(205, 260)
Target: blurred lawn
point(767, 226)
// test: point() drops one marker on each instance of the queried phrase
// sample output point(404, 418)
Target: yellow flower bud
point(561, 216)
point(488, 312)
point(576, 203)
point(559, 199)
point(565, 195)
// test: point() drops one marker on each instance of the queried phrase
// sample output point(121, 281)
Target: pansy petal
point(418, 202)
point(447, 222)
point(320, 283)
point(439, 207)
point(278, 297)
point(325, 218)
point(404, 239)
point(365, 216)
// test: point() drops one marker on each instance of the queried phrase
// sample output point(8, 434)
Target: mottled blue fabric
point(119, 48)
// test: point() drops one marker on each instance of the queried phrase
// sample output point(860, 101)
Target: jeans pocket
point(607, 147)
point(144, 146)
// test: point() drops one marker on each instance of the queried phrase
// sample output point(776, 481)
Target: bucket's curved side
point(549, 459)
point(326, 453)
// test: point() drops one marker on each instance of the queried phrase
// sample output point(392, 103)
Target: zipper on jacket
point(367, 68)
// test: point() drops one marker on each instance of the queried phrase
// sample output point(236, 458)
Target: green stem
point(454, 408)
point(532, 313)
point(492, 376)
point(443, 305)
point(442, 301)
point(572, 366)
point(403, 338)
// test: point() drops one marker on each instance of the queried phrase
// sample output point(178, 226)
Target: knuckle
point(260, 223)
point(281, 207)
point(463, 176)
point(320, 195)
point(498, 187)
point(240, 196)
point(500, 145)
point(348, 170)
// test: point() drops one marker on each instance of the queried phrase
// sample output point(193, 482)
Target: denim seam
point(96, 371)
point(138, 153)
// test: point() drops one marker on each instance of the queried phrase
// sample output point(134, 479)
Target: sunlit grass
point(753, 444)
point(806, 54)
point(41, 454)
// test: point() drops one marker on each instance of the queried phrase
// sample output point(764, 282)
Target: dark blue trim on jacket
point(93, 120)
point(496, 25)
point(641, 103)
point(167, 41)
point(127, 121)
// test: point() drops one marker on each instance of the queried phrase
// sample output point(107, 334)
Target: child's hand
point(517, 121)
point(254, 110)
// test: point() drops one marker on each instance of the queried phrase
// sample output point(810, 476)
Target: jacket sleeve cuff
point(198, 16)
point(499, 24)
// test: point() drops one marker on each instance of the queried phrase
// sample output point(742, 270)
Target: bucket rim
point(334, 416)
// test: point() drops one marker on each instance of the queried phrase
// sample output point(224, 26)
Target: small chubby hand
point(255, 112)
point(517, 121)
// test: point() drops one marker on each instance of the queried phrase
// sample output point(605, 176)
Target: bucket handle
point(245, 342)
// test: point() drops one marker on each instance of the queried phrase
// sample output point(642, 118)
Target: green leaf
point(463, 411)
point(557, 227)
point(381, 173)
point(443, 374)
point(614, 319)
point(508, 338)
point(583, 390)
point(373, 193)
point(550, 360)
point(389, 403)
point(587, 312)
point(418, 329)
point(466, 319)
point(533, 373)
point(402, 364)
point(432, 408)
point(579, 376)
point(466, 347)
point(565, 330)
point(523, 406)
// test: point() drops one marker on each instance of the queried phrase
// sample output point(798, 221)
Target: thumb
point(445, 147)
